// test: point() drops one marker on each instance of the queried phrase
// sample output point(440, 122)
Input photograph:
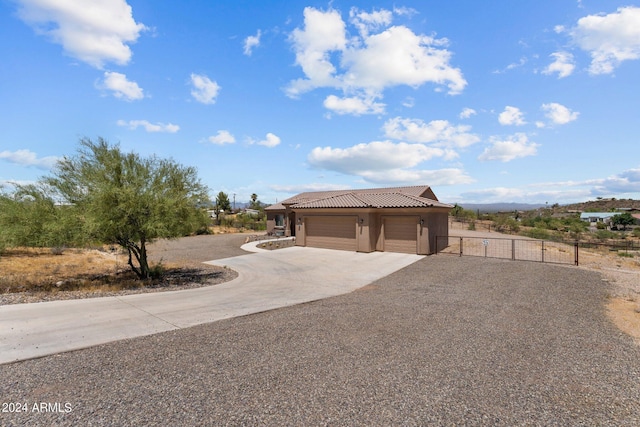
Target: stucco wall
point(370, 231)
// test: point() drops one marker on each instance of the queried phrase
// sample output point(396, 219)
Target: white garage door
point(401, 234)
point(331, 232)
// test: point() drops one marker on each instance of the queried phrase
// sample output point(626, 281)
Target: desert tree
point(129, 200)
point(223, 204)
point(29, 216)
point(624, 219)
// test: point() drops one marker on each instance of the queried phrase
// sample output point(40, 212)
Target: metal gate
point(514, 249)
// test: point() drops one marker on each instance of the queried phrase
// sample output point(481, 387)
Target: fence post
point(513, 249)
point(576, 252)
point(543, 251)
point(460, 246)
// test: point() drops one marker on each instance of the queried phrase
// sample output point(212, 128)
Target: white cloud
point(563, 64)
point(627, 182)
point(515, 146)
point(204, 90)
point(121, 87)
point(511, 116)
point(409, 102)
point(397, 56)
point(439, 133)
point(270, 141)
point(450, 176)
point(609, 39)
point(375, 156)
point(512, 66)
point(405, 11)
point(624, 184)
point(353, 105)
point(324, 32)
point(94, 32)
point(29, 158)
point(387, 162)
point(149, 127)
point(558, 113)
point(222, 137)
point(467, 113)
point(251, 42)
point(377, 58)
point(366, 22)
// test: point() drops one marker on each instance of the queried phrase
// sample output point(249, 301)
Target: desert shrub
point(507, 224)
point(625, 254)
point(537, 233)
point(636, 233)
point(472, 226)
point(605, 234)
point(156, 271)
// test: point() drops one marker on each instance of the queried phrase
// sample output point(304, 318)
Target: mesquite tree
point(130, 200)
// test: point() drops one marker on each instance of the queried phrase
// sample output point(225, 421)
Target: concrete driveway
point(266, 280)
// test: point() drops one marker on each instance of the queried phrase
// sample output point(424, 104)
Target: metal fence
point(514, 249)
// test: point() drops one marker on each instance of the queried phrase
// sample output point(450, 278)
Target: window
point(279, 220)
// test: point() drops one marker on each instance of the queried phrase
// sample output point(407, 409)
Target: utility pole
point(234, 201)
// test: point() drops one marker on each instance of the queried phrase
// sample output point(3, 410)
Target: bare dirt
point(620, 274)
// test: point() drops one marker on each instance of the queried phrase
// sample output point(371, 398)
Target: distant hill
point(603, 205)
point(500, 207)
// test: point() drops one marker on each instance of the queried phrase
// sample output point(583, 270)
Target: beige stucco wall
point(370, 231)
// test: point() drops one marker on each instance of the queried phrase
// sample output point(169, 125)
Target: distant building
point(595, 217)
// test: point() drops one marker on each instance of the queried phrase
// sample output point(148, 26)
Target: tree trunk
point(140, 253)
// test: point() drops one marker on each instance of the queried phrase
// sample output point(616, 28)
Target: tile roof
point(394, 197)
point(416, 190)
point(373, 200)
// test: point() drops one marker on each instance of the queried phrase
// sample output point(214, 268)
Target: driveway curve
point(266, 280)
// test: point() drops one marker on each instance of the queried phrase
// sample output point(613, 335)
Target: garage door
point(401, 234)
point(331, 232)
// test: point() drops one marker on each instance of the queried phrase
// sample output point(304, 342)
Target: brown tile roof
point(394, 197)
point(416, 190)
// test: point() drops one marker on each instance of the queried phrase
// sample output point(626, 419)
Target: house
point(398, 219)
point(595, 217)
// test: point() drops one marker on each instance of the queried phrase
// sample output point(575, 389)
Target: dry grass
point(25, 269)
point(38, 272)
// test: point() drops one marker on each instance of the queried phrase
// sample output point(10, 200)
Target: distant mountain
point(500, 207)
point(604, 205)
point(600, 205)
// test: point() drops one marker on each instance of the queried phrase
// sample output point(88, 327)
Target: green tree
point(255, 203)
point(130, 200)
point(29, 217)
point(623, 219)
point(461, 214)
point(222, 204)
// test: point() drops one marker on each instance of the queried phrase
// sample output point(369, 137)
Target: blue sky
point(490, 101)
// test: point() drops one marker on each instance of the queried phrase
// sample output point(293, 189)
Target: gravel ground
point(445, 341)
point(197, 249)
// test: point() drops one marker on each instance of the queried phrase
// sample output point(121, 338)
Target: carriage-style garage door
point(401, 234)
point(331, 232)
